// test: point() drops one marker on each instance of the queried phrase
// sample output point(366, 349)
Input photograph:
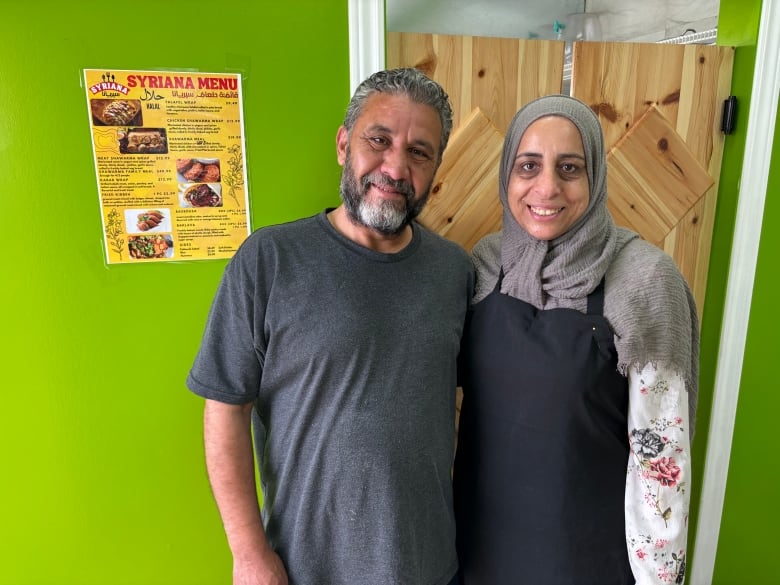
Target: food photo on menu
point(147, 220)
point(201, 195)
point(142, 141)
point(198, 170)
point(199, 182)
point(107, 112)
point(150, 246)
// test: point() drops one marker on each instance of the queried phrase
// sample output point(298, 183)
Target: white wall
point(609, 20)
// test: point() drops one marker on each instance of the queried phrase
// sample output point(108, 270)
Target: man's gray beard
point(386, 217)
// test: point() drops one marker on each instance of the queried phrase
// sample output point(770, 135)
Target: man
point(337, 337)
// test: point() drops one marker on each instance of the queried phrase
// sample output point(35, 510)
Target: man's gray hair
point(409, 82)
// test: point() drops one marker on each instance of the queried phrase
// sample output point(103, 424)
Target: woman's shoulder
point(640, 263)
point(487, 250)
point(486, 259)
point(645, 286)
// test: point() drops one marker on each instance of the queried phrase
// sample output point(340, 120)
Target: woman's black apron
point(540, 471)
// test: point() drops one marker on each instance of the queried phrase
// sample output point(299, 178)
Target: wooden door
point(660, 106)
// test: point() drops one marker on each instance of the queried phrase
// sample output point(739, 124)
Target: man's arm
point(230, 464)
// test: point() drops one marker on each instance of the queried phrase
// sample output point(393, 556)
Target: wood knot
point(449, 220)
point(606, 110)
point(427, 65)
point(481, 73)
point(695, 219)
point(671, 98)
point(663, 145)
point(436, 188)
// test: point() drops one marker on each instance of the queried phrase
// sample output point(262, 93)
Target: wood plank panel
point(411, 50)
point(463, 204)
point(687, 84)
point(705, 69)
point(453, 58)
point(653, 177)
point(621, 80)
point(542, 56)
point(598, 71)
point(494, 78)
point(496, 75)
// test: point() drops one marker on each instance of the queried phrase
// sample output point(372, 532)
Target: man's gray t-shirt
point(350, 358)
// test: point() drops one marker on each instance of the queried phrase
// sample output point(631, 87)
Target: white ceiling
point(598, 20)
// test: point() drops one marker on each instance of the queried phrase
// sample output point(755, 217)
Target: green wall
point(747, 545)
point(103, 477)
point(738, 23)
point(746, 548)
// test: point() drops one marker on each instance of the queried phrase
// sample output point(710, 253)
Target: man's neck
point(367, 237)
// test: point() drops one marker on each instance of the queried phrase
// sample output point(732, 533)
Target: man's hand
point(267, 570)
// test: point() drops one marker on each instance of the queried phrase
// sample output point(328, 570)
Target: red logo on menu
point(109, 83)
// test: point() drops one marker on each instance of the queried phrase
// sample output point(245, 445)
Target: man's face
point(390, 158)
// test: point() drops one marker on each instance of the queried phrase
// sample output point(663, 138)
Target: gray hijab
point(647, 301)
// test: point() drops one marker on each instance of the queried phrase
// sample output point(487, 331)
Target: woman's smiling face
point(548, 186)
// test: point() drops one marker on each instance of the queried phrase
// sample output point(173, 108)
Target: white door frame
point(366, 39)
point(739, 292)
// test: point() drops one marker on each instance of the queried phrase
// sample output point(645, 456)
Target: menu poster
point(170, 164)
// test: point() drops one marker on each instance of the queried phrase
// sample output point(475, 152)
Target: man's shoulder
point(278, 233)
point(268, 244)
point(287, 228)
point(441, 244)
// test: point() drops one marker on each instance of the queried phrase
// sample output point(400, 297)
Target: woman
point(580, 378)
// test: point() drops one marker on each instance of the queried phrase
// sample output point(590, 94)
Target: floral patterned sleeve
point(658, 479)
